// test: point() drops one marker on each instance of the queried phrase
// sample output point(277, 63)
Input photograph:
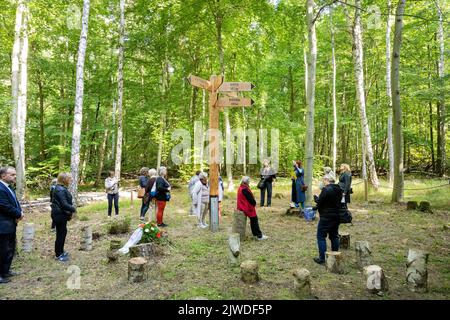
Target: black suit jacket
point(10, 210)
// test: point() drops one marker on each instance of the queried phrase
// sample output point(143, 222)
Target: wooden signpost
point(215, 85)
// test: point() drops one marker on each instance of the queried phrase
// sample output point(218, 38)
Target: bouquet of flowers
point(150, 232)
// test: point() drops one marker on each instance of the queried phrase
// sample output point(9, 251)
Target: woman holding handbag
point(162, 195)
point(62, 211)
point(298, 185)
point(267, 175)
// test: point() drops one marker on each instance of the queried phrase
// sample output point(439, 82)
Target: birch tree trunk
point(441, 159)
point(360, 92)
point(202, 146)
point(397, 192)
point(333, 63)
point(160, 145)
point(78, 112)
point(310, 96)
point(19, 94)
point(118, 165)
point(389, 95)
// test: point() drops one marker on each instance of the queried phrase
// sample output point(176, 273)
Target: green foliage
point(150, 232)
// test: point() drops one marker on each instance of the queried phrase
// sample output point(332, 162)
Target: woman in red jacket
point(246, 203)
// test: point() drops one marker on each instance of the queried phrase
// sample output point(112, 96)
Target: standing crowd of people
point(155, 191)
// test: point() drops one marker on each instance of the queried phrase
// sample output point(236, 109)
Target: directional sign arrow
point(236, 86)
point(234, 102)
point(198, 82)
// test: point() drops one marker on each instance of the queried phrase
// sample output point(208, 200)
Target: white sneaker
point(264, 237)
point(203, 226)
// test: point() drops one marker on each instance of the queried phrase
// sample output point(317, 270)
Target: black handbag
point(261, 183)
point(345, 216)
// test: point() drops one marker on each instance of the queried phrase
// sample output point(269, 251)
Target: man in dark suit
point(10, 214)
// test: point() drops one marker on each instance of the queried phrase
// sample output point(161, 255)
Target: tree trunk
point(433, 163)
point(310, 93)
point(292, 96)
point(360, 92)
point(161, 143)
point(230, 153)
point(78, 113)
point(202, 146)
point(441, 156)
point(389, 95)
point(397, 192)
point(41, 119)
point(19, 94)
point(118, 164)
point(376, 281)
point(416, 272)
point(333, 63)
point(102, 157)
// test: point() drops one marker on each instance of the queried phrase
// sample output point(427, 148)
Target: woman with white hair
point(246, 203)
point(148, 199)
point(162, 195)
point(268, 175)
point(200, 199)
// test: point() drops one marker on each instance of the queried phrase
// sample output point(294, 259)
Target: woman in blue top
point(298, 195)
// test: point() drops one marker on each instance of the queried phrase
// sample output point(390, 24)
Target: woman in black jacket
point(62, 210)
point(345, 181)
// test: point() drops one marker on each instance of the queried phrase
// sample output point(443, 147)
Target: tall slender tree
point(118, 165)
point(333, 65)
point(78, 112)
point(397, 192)
point(389, 95)
point(441, 156)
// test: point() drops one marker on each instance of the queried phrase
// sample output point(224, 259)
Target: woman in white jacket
point(200, 199)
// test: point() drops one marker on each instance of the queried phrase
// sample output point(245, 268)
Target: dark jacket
point(329, 202)
point(9, 211)
point(62, 205)
point(345, 182)
point(148, 189)
point(162, 189)
point(143, 181)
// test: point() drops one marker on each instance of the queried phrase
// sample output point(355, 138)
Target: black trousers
point(255, 227)
point(268, 186)
point(7, 251)
point(61, 232)
point(112, 197)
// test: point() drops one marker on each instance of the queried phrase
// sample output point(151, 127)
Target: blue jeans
point(268, 186)
point(144, 208)
point(112, 197)
point(330, 228)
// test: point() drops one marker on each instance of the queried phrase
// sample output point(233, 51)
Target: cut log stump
point(137, 269)
point(115, 244)
point(239, 223)
point(146, 250)
point(234, 244)
point(302, 283)
point(344, 240)
point(249, 271)
point(86, 238)
point(425, 206)
point(333, 262)
point(411, 205)
point(278, 196)
point(376, 281)
point(28, 237)
point(416, 272)
point(363, 254)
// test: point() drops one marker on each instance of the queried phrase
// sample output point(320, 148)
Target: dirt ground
point(196, 264)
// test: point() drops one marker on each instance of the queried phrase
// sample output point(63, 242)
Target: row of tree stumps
point(376, 280)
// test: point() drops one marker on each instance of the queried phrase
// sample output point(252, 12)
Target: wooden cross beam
point(216, 85)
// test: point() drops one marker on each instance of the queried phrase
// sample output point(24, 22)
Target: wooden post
point(131, 200)
point(425, 206)
point(333, 261)
point(86, 238)
point(234, 244)
point(416, 272)
point(411, 205)
point(137, 269)
point(249, 271)
point(302, 283)
point(344, 239)
point(363, 254)
point(239, 223)
point(376, 280)
point(28, 237)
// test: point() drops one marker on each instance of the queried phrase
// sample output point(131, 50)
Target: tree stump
point(363, 254)
point(302, 283)
point(249, 271)
point(425, 206)
point(333, 262)
point(137, 270)
point(294, 211)
point(239, 223)
point(86, 238)
point(112, 254)
point(146, 250)
point(411, 205)
point(416, 271)
point(344, 240)
point(376, 281)
point(234, 243)
point(279, 196)
point(28, 237)
point(115, 244)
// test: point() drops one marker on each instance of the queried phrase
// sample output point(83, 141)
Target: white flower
point(146, 230)
point(152, 228)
